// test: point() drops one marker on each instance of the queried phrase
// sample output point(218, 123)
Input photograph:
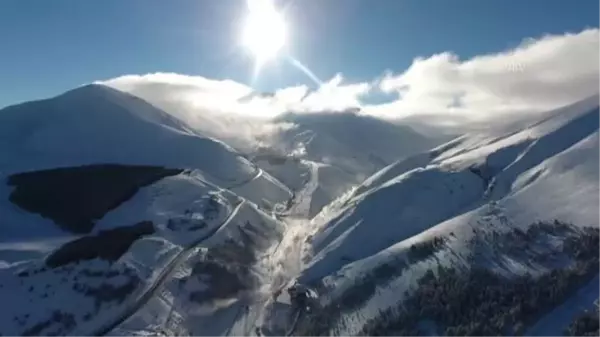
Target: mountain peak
point(96, 90)
point(96, 124)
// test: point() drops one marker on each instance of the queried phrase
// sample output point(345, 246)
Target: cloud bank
point(538, 75)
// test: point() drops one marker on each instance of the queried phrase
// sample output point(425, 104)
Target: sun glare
point(264, 33)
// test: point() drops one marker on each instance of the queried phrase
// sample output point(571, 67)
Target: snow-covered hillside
point(119, 218)
point(144, 188)
point(95, 124)
point(346, 146)
point(350, 141)
point(457, 202)
point(101, 282)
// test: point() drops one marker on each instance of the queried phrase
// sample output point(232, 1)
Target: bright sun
point(264, 31)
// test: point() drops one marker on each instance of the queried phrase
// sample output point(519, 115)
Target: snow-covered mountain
point(121, 218)
point(345, 147)
point(473, 202)
point(95, 124)
point(143, 187)
point(107, 126)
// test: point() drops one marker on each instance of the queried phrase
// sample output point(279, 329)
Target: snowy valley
point(121, 218)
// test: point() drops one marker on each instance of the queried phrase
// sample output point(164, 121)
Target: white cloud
point(334, 96)
point(232, 111)
point(538, 75)
point(226, 96)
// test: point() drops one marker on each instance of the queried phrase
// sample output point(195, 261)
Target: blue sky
point(51, 46)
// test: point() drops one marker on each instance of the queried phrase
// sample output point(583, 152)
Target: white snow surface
point(96, 124)
point(544, 171)
point(347, 194)
point(489, 182)
point(392, 213)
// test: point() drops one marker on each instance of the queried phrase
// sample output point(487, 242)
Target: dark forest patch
point(222, 281)
point(476, 301)
point(58, 323)
point(109, 245)
point(75, 197)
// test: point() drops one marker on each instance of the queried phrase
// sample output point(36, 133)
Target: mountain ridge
point(380, 222)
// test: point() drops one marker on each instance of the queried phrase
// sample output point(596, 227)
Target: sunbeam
point(305, 70)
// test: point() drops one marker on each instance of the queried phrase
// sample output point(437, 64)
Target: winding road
point(281, 265)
